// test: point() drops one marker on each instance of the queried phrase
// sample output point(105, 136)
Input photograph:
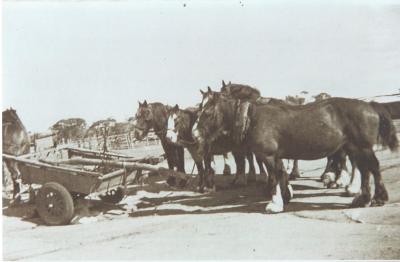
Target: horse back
point(315, 130)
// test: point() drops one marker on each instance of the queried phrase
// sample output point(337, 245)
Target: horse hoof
point(171, 181)
point(200, 189)
point(273, 208)
point(352, 191)
point(333, 185)
point(360, 201)
point(327, 178)
point(377, 203)
point(182, 183)
point(344, 179)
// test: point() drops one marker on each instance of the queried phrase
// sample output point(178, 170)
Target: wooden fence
point(115, 142)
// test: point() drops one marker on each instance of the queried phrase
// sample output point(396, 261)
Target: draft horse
point(15, 142)
point(155, 116)
point(180, 127)
point(251, 94)
point(307, 132)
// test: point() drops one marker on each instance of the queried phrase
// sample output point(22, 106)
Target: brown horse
point(251, 94)
point(155, 116)
point(180, 127)
point(338, 165)
point(308, 132)
point(15, 142)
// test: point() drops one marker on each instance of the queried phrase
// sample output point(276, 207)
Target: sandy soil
point(158, 222)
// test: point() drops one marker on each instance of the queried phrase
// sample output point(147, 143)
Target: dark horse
point(308, 132)
point(155, 116)
point(251, 94)
point(337, 164)
point(180, 125)
point(15, 142)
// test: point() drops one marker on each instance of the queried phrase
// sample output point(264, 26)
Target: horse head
point(240, 91)
point(215, 119)
point(15, 137)
point(143, 120)
point(207, 96)
point(180, 123)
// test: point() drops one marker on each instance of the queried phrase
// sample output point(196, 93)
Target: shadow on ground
point(157, 198)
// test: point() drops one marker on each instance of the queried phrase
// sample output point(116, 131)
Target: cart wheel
point(54, 204)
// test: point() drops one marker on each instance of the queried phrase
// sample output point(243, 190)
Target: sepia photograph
point(200, 130)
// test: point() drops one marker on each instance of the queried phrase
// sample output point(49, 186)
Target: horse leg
point(342, 177)
point(200, 170)
point(286, 188)
point(381, 195)
point(209, 179)
point(328, 169)
point(251, 177)
point(355, 182)
point(240, 177)
point(180, 159)
point(361, 159)
point(295, 170)
point(263, 173)
point(279, 185)
point(227, 168)
point(198, 160)
point(168, 155)
point(14, 173)
point(171, 180)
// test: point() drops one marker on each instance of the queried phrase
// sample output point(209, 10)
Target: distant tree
point(295, 100)
point(96, 128)
point(71, 129)
point(321, 96)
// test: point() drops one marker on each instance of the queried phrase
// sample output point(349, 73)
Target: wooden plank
point(124, 164)
point(72, 181)
point(50, 165)
point(94, 153)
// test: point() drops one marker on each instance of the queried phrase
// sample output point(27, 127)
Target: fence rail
point(115, 142)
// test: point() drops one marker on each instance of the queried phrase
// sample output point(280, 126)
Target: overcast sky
point(96, 59)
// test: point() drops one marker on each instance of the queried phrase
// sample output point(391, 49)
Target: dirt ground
point(158, 222)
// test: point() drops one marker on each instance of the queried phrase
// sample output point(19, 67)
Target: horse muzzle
point(172, 136)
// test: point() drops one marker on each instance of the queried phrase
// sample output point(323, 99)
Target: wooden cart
point(68, 173)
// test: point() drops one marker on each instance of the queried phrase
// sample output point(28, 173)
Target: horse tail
point(393, 108)
point(387, 131)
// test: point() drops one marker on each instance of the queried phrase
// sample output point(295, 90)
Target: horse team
point(237, 119)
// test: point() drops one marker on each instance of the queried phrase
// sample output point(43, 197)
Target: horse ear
point(145, 103)
point(223, 83)
point(209, 89)
point(140, 104)
point(176, 108)
point(202, 92)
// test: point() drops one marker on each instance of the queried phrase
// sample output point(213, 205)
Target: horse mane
point(160, 115)
point(11, 118)
point(240, 91)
